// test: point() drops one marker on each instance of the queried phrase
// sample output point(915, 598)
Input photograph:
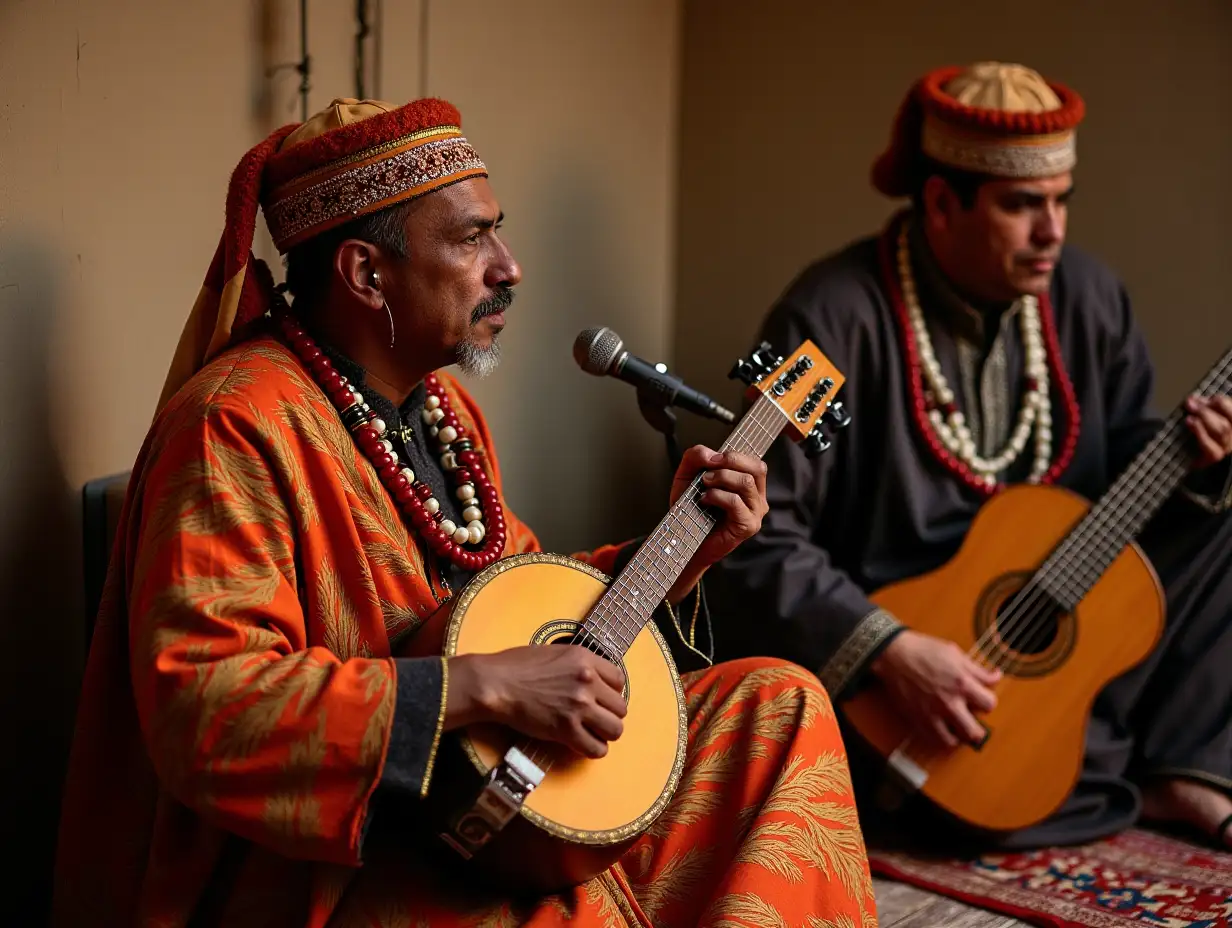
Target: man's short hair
point(310, 263)
point(965, 184)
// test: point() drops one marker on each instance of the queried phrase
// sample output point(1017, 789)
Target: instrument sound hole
point(583, 640)
point(1029, 631)
point(563, 631)
point(1021, 629)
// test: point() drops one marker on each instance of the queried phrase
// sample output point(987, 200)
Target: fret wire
point(621, 615)
point(616, 599)
point(677, 555)
point(702, 529)
point(660, 580)
point(631, 568)
point(598, 630)
point(609, 620)
point(690, 523)
point(618, 594)
point(687, 515)
point(649, 573)
point(629, 590)
point(1134, 497)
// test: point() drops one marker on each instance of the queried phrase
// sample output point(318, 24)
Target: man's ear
point(355, 264)
point(939, 202)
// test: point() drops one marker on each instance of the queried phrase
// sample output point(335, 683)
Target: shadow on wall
point(603, 475)
point(40, 583)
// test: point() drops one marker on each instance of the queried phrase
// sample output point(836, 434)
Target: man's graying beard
point(476, 361)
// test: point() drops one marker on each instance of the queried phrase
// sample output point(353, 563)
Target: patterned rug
point(1138, 878)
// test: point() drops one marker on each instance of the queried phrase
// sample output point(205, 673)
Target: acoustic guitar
point(538, 816)
point(1054, 592)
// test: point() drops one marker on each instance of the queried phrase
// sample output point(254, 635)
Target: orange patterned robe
point(239, 700)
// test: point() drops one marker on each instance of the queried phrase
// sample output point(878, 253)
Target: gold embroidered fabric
point(873, 629)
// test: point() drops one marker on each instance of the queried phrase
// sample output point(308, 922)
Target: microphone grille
point(596, 349)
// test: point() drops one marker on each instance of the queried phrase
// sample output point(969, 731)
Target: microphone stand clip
point(653, 405)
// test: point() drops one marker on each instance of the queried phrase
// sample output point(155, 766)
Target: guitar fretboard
point(632, 598)
point(1079, 561)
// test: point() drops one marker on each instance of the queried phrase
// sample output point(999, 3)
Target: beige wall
point(786, 102)
point(120, 122)
point(572, 105)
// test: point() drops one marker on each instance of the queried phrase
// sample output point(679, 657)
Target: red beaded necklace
point(412, 495)
point(915, 376)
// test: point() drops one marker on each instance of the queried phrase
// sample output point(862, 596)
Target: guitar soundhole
point(1030, 635)
point(563, 631)
point(1021, 629)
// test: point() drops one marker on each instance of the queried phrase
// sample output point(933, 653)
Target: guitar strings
point(1115, 531)
point(932, 751)
point(1161, 446)
point(1103, 527)
point(1029, 625)
point(1035, 601)
point(1104, 524)
point(687, 506)
point(1105, 544)
point(541, 754)
point(695, 521)
point(1100, 525)
point(688, 511)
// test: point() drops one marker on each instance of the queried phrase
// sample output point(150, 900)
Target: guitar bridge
point(504, 791)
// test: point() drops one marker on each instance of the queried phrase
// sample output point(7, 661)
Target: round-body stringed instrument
point(536, 815)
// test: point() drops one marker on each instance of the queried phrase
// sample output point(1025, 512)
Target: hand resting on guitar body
point(567, 694)
point(936, 685)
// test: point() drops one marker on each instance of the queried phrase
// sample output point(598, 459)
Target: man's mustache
point(497, 303)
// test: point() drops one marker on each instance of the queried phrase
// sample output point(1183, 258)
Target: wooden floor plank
point(897, 901)
point(900, 905)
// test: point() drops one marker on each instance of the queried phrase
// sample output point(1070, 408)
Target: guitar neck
point(1079, 561)
point(631, 600)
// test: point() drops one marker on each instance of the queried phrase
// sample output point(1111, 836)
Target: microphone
point(601, 351)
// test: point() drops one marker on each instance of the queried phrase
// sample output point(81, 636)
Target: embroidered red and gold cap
point(352, 158)
point(1002, 120)
point(356, 157)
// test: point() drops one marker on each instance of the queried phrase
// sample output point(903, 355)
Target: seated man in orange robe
point(251, 748)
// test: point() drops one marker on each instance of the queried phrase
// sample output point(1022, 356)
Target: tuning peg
point(761, 361)
point(816, 443)
point(837, 415)
point(765, 357)
point(743, 370)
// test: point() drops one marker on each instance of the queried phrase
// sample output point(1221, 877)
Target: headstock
point(803, 386)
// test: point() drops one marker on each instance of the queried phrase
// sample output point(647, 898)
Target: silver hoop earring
point(391, 323)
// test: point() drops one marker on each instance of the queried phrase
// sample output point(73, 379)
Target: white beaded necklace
point(943, 412)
